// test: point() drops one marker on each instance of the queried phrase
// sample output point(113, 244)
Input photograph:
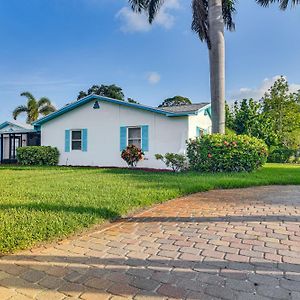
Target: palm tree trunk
point(217, 65)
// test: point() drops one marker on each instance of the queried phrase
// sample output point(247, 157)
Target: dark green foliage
point(280, 154)
point(38, 155)
point(132, 155)
point(283, 109)
point(111, 91)
point(226, 153)
point(274, 119)
point(247, 117)
point(173, 160)
point(130, 100)
point(175, 101)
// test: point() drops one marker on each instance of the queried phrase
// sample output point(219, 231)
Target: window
point(135, 136)
point(200, 132)
point(76, 140)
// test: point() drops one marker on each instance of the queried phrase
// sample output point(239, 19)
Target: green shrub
point(38, 155)
point(280, 154)
point(172, 160)
point(226, 153)
point(132, 155)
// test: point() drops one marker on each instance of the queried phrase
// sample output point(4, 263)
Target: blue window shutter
point(197, 131)
point(123, 138)
point(67, 140)
point(84, 140)
point(145, 138)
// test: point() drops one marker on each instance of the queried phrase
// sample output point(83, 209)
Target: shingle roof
point(184, 108)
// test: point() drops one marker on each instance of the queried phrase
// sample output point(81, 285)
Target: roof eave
point(87, 99)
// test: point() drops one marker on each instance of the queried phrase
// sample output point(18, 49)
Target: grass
point(42, 204)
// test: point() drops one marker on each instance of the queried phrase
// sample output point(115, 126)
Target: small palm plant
point(34, 108)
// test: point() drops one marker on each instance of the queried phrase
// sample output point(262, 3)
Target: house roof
point(189, 108)
point(14, 126)
point(89, 98)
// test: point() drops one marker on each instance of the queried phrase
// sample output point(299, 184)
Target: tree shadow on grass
point(101, 212)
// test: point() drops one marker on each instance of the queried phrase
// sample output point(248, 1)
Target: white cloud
point(258, 92)
point(135, 22)
point(153, 78)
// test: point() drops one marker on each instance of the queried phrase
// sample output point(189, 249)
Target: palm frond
point(47, 109)
point(153, 8)
point(44, 101)
point(228, 7)
point(139, 5)
point(283, 4)
point(200, 20)
point(28, 95)
point(18, 110)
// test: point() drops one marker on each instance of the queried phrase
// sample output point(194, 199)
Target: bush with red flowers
point(226, 153)
point(132, 155)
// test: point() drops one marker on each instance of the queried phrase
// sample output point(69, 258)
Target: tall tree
point(110, 91)
point(209, 19)
point(34, 108)
point(175, 101)
point(247, 117)
point(275, 118)
point(283, 107)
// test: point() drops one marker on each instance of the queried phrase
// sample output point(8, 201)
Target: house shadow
point(152, 277)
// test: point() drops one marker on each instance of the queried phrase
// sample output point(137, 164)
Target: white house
point(94, 130)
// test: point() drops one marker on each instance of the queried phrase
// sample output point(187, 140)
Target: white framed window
point(76, 139)
point(134, 136)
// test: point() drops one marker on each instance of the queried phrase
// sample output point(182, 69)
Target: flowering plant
point(132, 155)
point(226, 153)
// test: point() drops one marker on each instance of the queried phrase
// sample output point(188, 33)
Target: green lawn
point(40, 204)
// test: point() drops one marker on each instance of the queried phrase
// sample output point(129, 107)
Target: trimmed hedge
point(226, 153)
point(280, 154)
point(38, 155)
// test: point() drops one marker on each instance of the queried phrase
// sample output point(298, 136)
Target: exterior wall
point(201, 120)
point(166, 134)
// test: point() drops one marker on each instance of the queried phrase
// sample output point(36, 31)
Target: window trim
point(75, 140)
point(127, 133)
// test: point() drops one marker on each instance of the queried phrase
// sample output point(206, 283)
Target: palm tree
point(209, 19)
point(34, 108)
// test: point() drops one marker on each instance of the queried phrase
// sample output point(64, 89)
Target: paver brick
point(223, 244)
point(172, 291)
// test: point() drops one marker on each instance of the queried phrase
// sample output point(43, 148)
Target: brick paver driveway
point(226, 244)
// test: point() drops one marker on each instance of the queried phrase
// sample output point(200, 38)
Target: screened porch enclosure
point(12, 141)
point(14, 135)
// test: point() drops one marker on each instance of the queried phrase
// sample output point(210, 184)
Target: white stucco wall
point(201, 121)
point(166, 134)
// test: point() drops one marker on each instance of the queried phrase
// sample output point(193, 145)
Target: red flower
point(209, 155)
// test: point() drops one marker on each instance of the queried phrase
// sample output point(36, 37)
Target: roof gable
point(11, 126)
point(89, 98)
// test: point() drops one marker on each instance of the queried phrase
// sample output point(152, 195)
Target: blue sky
point(56, 48)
